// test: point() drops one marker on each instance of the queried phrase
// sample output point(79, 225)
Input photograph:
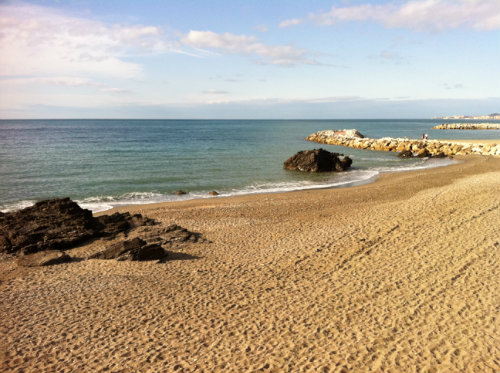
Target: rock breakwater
point(433, 148)
point(467, 126)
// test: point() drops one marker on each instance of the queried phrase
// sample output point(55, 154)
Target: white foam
point(352, 177)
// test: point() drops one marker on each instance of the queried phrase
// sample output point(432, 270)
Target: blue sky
point(249, 59)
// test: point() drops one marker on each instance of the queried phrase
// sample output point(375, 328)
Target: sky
point(227, 59)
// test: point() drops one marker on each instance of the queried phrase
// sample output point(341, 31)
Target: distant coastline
point(493, 116)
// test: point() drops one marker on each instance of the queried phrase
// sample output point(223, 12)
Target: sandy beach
point(400, 275)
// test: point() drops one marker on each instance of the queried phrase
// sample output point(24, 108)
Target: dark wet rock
point(43, 258)
point(111, 225)
point(180, 192)
point(135, 249)
point(317, 160)
point(213, 193)
point(56, 224)
point(405, 154)
point(59, 224)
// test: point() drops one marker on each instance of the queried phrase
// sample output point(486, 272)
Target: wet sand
point(401, 275)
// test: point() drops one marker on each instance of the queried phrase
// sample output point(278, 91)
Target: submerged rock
point(317, 160)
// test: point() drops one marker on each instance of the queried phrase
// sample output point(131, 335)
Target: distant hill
point(491, 116)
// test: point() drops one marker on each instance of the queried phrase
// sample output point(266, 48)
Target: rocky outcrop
point(350, 133)
point(120, 222)
point(317, 160)
point(59, 224)
point(43, 258)
point(435, 148)
point(47, 225)
point(406, 154)
point(467, 126)
point(135, 249)
point(170, 235)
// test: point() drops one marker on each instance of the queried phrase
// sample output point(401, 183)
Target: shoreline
point(348, 184)
point(402, 274)
point(383, 178)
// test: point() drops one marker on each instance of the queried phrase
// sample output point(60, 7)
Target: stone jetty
point(467, 126)
point(422, 148)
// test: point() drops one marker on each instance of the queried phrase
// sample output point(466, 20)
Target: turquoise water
point(105, 163)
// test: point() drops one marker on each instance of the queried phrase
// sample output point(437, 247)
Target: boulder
point(405, 154)
point(52, 224)
point(317, 160)
point(135, 249)
point(59, 224)
point(423, 153)
point(213, 193)
point(180, 192)
point(111, 225)
point(43, 258)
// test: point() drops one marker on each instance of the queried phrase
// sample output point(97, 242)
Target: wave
point(350, 178)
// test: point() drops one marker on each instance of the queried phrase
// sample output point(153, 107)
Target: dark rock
point(213, 193)
point(423, 153)
point(43, 258)
point(405, 154)
point(317, 160)
point(111, 225)
point(172, 235)
point(135, 249)
point(52, 224)
point(180, 192)
point(59, 224)
point(439, 155)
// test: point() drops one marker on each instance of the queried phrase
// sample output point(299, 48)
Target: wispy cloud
point(38, 40)
point(426, 15)
point(214, 92)
point(284, 55)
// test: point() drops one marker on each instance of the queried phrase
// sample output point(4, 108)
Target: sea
point(106, 163)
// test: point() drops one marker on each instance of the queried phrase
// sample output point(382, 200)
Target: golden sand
point(401, 275)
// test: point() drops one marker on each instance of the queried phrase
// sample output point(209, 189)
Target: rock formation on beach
point(59, 224)
point(434, 148)
point(467, 126)
point(43, 258)
point(39, 234)
point(135, 249)
point(317, 160)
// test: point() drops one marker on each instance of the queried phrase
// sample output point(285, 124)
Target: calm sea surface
point(105, 163)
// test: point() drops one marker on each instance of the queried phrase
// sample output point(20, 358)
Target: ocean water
point(106, 163)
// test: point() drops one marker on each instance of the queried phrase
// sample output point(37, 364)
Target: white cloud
point(284, 55)
point(426, 15)
point(214, 92)
point(40, 41)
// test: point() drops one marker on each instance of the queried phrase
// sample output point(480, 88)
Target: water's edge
point(349, 178)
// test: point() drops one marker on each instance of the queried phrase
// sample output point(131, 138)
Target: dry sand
point(401, 275)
